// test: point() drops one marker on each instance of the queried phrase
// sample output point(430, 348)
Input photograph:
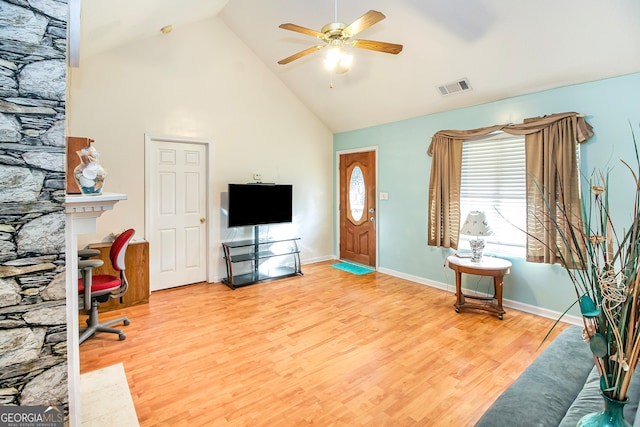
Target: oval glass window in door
point(356, 193)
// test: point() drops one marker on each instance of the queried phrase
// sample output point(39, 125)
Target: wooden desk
point(489, 266)
point(136, 261)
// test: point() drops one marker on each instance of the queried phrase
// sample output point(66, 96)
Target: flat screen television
point(260, 204)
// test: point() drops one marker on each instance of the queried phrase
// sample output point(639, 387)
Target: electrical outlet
point(257, 177)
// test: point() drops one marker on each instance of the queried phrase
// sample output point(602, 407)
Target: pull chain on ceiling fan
point(336, 35)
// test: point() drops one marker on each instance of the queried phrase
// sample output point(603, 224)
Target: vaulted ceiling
point(503, 48)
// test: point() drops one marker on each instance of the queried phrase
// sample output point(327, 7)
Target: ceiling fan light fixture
point(337, 60)
point(334, 29)
point(336, 35)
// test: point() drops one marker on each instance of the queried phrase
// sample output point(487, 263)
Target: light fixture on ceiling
point(337, 37)
point(166, 29)
point(338, 60)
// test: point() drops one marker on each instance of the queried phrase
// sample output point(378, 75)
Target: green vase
point(611, 416)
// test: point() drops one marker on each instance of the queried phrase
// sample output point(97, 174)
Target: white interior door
point(177, 213)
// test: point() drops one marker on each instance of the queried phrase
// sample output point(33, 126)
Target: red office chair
point(102, 287)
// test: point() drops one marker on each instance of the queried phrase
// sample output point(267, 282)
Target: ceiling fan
point(336, 35)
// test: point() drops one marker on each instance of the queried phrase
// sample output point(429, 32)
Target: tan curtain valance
point(584, 130)
point(550, 151)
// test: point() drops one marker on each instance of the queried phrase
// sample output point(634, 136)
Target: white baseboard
point(318, 259)
point(532, 309)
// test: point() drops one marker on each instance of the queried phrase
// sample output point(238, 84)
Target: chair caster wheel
point(126, 322)
point(122, 337)
point(457, 310)
point(500, 316)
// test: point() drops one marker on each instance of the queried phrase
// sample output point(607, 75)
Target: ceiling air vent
point(461, 85)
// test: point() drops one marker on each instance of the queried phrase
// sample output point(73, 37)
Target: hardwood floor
point(328, 349)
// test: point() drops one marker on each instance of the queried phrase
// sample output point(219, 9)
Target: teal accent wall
point(404, 169)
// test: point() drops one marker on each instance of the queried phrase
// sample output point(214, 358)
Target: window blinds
point(494, 181)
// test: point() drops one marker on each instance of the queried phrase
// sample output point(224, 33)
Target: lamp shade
point(476, 225)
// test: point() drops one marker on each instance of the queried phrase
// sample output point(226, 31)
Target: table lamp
point(476, 225)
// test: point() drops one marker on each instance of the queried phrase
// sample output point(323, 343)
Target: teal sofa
point(557, 389)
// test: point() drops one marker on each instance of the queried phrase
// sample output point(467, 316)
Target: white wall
point(203, 82)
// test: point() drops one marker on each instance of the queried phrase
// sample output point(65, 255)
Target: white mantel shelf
point(82, 212)
point(76, 203)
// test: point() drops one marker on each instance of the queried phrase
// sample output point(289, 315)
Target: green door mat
point(353, 269)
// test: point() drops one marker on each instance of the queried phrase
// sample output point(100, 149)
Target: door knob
point(202, 220)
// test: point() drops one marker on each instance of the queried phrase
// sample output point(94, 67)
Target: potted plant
point(602, 261)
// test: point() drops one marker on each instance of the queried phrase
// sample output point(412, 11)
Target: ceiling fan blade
point(378, 46)
point(303, 30)
point(300, 54)
point(362, 23)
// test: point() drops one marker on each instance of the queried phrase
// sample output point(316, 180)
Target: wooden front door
point(358, 207)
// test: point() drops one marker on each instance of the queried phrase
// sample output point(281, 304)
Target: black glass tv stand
point(247, 261)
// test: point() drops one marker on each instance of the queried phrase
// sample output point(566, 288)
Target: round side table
point(488, 266)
